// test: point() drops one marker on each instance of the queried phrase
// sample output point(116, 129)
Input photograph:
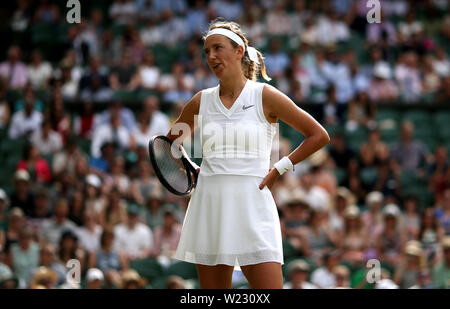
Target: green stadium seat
point(148, 268)
point(418, 117)
point(183, 269)
point(340, 174)
point(356, 138)
point(387, 113)
point(368, 176)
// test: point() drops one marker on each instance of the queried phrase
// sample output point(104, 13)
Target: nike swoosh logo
point(247, 107)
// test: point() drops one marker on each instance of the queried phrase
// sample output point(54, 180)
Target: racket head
point(173, 172)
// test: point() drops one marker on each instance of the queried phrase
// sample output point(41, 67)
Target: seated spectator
point(60, 119)
point(276, 60)
point(116, 107)
point(24, 256)
point(124, 76)
point(410, 154)
point(406, 273)
point(4, 205)
point(134, 238)
point(441, 62)
point(181, 92)
point(169, 81)
point(277, 20)
point(430, 235)
point(108, 259)
point(24, 122)
point(44, 278)
point(343, 199)
point(409, 27)
point(69, 248)
point(46, 12)
point(339, 151)
point(382, 88)
point(77, 207)
point(53, 228)
point(94, 279)
point(342, 275)
point(149, 73)
point(158, 122)
point(15, 223)
point(69, 85)
point(46, 140)
point(443, 212)
point(84, 122)
point(41, 211)
point(298, 272)
point(376, 146)
point(353, 239)
point(410, 220)
point(131, 280)
point(115, 209)
point(441, 272)
point(123, 11)
point(166, 237)
point(113, 131)
point(93, 199)
point(64, 160)
point(175, 282)
point(361, 113)
point(89, 233)
point(408, 77)
point(116, 178)
point(39, 71)
point(14, 70)
point(36, 166)
point(152, 214)
point(389, 242)
point(47, 258)
point(22, 195)
point(7, 278)
point(324, 277)
point(100, 165)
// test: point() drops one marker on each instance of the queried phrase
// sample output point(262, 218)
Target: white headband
point(252, 53)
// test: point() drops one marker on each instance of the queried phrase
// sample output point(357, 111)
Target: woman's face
point(223, 59)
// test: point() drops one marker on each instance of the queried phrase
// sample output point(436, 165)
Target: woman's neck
point(233, 86)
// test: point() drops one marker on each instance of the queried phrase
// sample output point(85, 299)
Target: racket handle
point(194, 165)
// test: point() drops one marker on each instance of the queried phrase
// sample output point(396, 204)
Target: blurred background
point(79, 102)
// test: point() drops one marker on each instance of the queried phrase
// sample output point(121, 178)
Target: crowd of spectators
point(102, 205)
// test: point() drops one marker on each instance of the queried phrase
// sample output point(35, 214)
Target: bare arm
point(185, 120)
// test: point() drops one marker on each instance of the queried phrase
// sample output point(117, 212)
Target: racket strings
point(169, 163)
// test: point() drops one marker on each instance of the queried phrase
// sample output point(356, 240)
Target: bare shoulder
point(193, 105)
point(274, 100)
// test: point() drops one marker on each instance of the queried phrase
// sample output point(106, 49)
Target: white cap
point(391, 209)
point(386, 284)
point(22, 175)
point(382, 70)
point(94, 274)
point(374, 197)
point(93, 180)
point(318, 199)
point(3, 195)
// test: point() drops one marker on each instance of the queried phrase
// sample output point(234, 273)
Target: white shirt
point(22, 124)
point(305, 285)
point(149, 76)
point(51, 144)
point(323, 278)
point(90, 240)
point(38, 75)
point(104, 133)
point(133, 242)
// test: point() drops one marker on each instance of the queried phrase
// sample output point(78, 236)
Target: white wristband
point(283, 165)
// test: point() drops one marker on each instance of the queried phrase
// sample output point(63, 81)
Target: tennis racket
point(173, 167)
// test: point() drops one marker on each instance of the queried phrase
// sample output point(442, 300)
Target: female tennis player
point(232, 217)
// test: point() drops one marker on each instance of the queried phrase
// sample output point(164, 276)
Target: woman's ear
point(240, 52)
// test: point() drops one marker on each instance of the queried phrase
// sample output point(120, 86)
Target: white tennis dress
point(229, 220)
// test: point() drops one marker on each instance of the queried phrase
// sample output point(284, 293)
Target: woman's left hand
point(270, 179)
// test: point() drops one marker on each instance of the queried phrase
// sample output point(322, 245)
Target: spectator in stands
point(37, 167)
point(77, 207)
point(93, 199)
point(430, 234)
point(342, 275)
point(24, 122)
point(124, 76)
point(22, 195)
point(134, 238)
point(108, 259)
point(443, 211)
point(46, 12)
point(196, 19)
point(372, 218)
point(53, 228)
point(441, 272)
point(123, 12)
point(339, 151)
point(131, 280)
point(47, 258)
point(94, 279)
point(382, 88)
point(166, 237)
point(361, 112)
point(143, 184)
point(41, 211)
point(13, 70)
point(158, 121)
point(84, 122)
point(47, 141)
point(169, 81)
point(39, 71)
point(116, 107)
point(406, 273)
point(410, 220)
point(29, 95)
point(175, 282)
point(115, 210)
point(64, 160)
point(276, 59)
point(410, 154)
point(69, 248)
point(389, 242)
point(441, 62)
point(15, 223)
point(113, 131)
point(89, 233)
point(116, 178)
point(44, 278)
point(21, 17)
point(324, 277)
point(353, 239)
point(4, 205)
point(408, 28)
point(443, 94)
point(24, 256)
point(277, 20)
point(298, 272)
point(408, 77)
point(383, 34)
point(149, 73)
